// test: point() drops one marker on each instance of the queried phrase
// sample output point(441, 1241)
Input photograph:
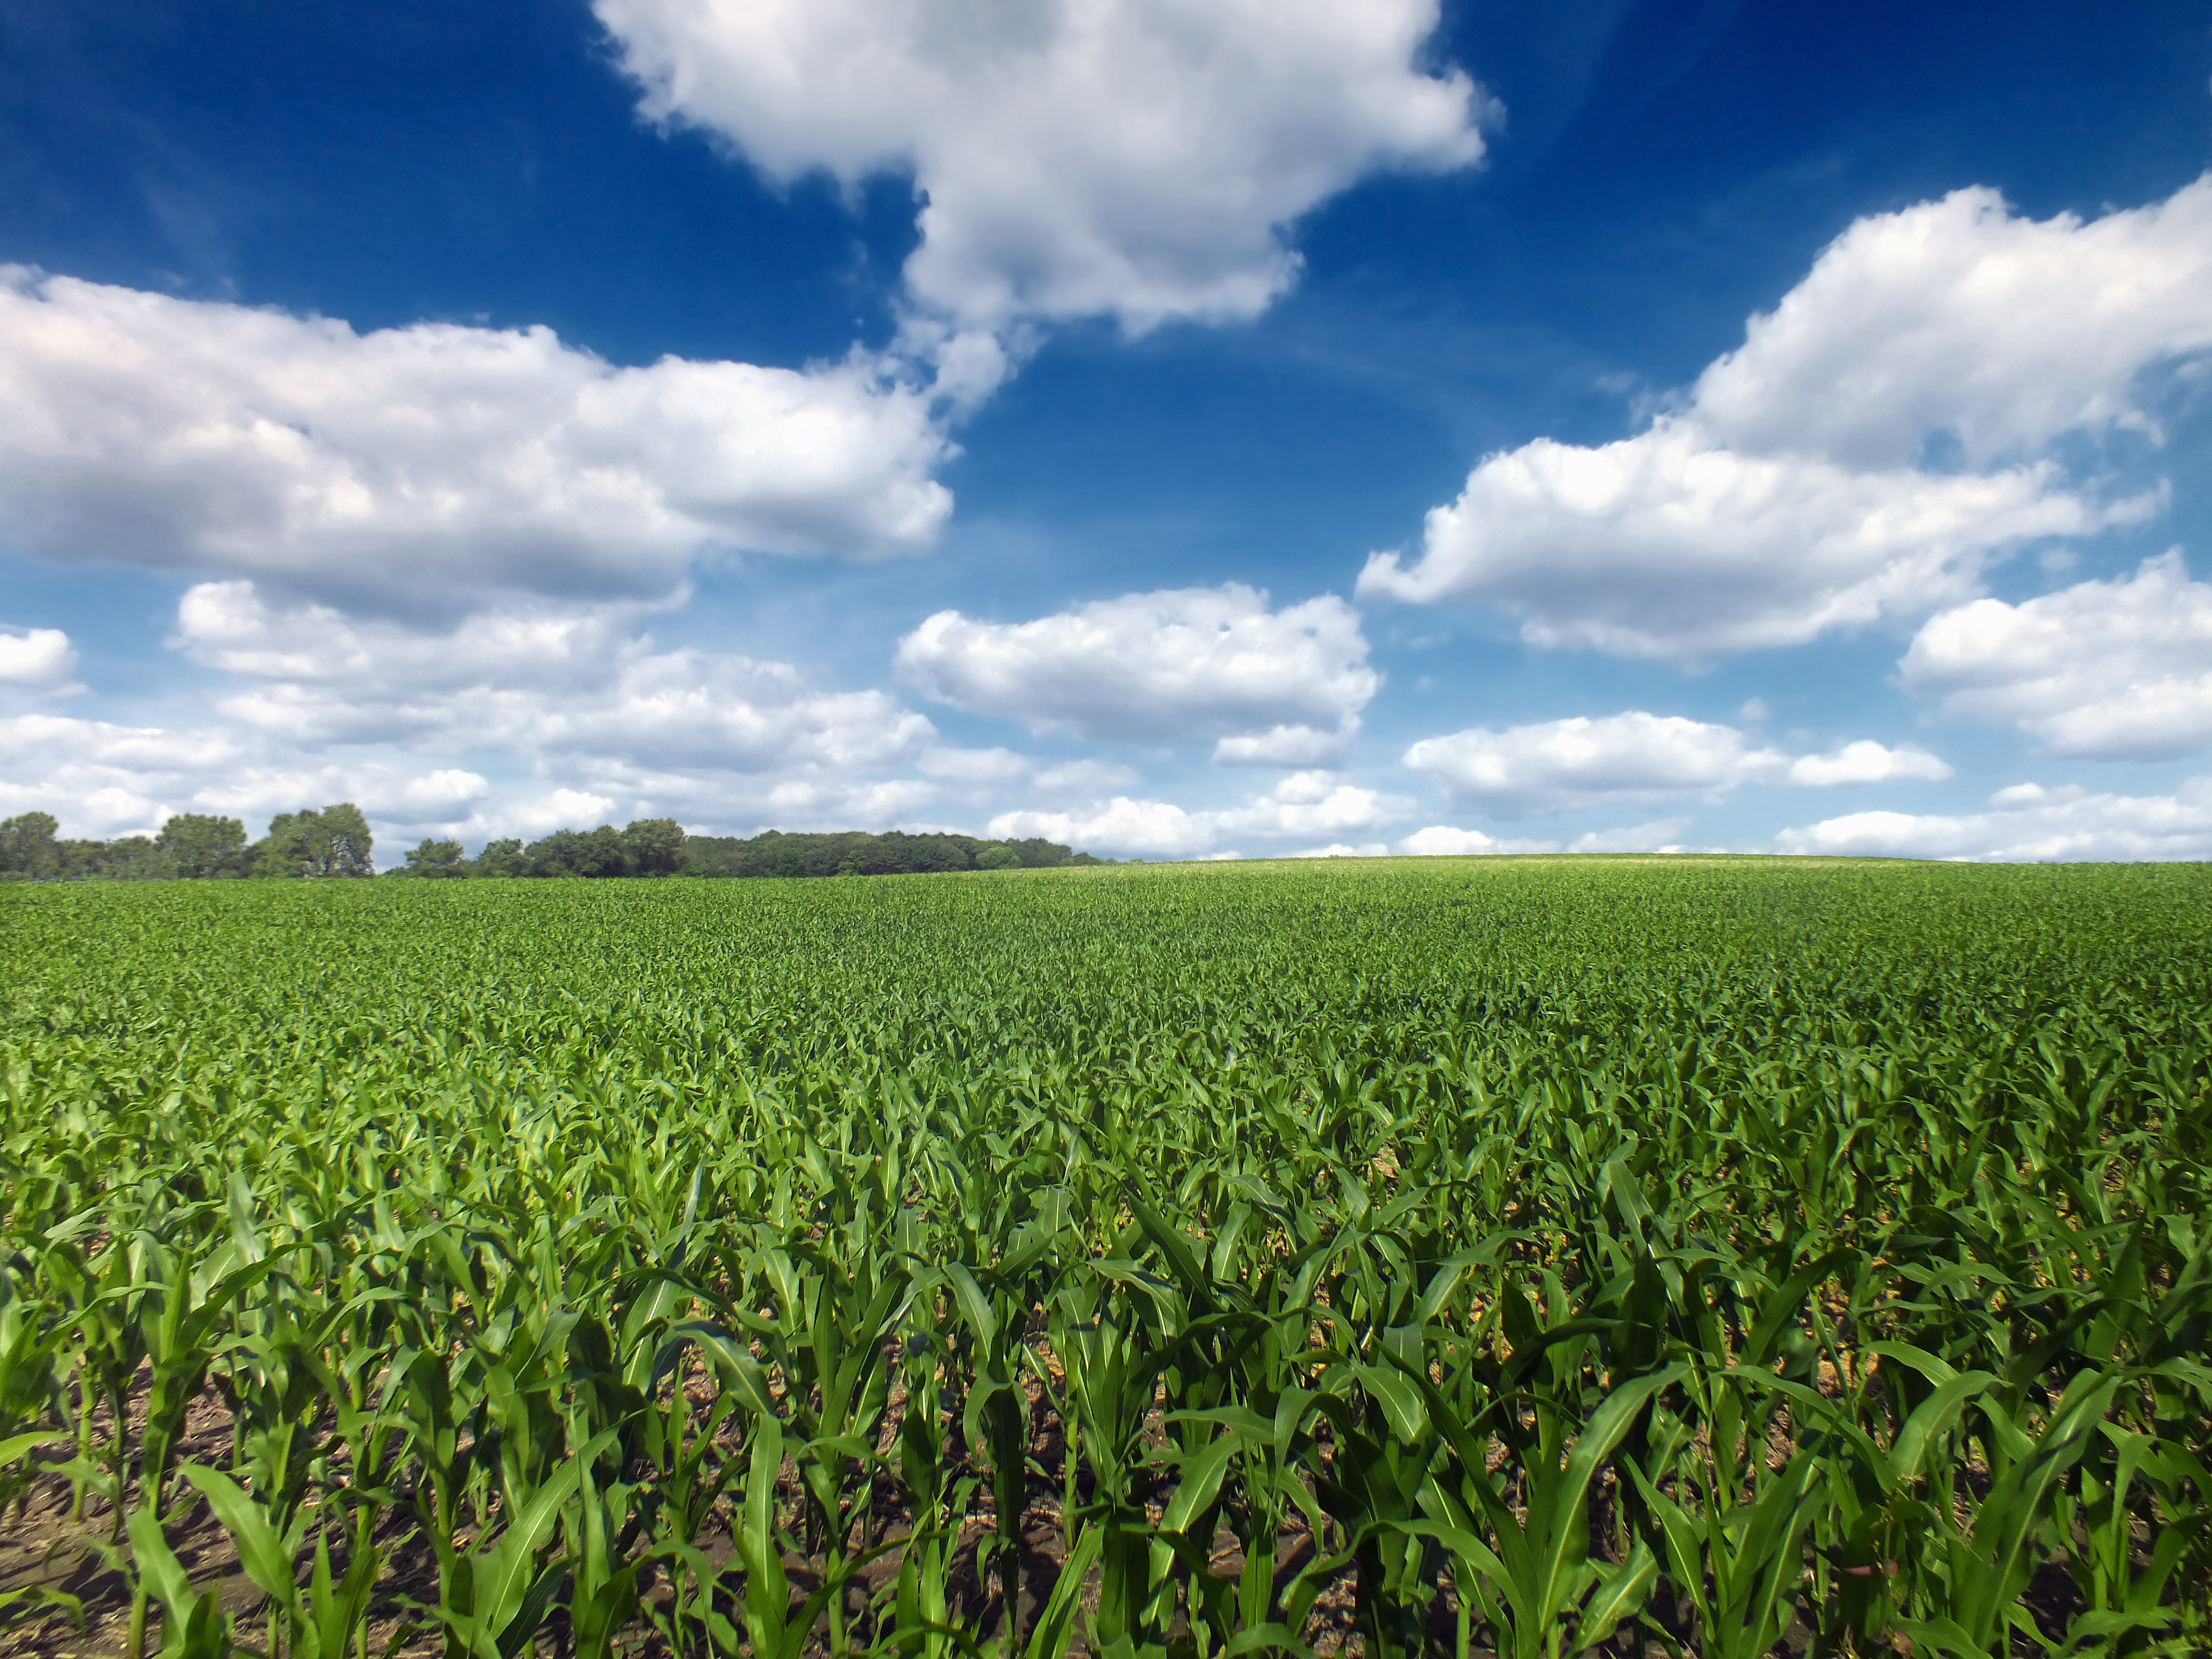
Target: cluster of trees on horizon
point(193, 847)
point(334, 841)
point(659, 847)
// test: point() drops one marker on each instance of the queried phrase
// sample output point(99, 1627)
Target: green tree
point(28, 846)
point(654, 846)
point(281, 854)
point(350, 847)
point(1037, 853)
point(998, 858)
point(894, 852)
point(436, 858)
point(502, 858)
point(334, 841)
point(80, 861)
point(602, 852)
point(554, 856)
point(130, 858)
point(200, 846)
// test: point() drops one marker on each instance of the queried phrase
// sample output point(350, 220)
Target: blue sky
point(1181, 428)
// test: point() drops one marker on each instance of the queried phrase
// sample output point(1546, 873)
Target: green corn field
point(1526, 1257)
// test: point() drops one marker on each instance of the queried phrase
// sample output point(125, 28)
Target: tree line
point(334, 841)
point(192, 845)
point(659, 847)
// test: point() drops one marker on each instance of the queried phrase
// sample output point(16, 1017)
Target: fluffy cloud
point(736, 803)
point(1129, 158)
point(1123, 825)
point(2103, 670)
point(1659, 836)
point(1867, 761)
point(1668, 544)
point(1187, 663)
point(433, 466)
point(38, 660)
point(585, 719)
point(1555, 766)
point(543, 681)
point(1558, 765)
point(1287, 745)
point(1442, 840)
point(1789, 492)
point(104, 780)
point(1310, 803)
point(1957, 317)
point(1303, 805)
point(2028, 822)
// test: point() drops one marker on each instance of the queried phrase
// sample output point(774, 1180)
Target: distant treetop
point(334, 841)
point(656, 846)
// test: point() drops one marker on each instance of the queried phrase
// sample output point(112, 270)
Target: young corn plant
point(1114, 1346)
point(1736, 1562)
point(1525, 1566)
point(2126, 1608)
point(1978, 1570)
point(996, 1420)
point(834, 1321)
point(327, 1619)
point(923, 1622)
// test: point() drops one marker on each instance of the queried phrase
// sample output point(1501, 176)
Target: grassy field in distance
point(1714, 1256)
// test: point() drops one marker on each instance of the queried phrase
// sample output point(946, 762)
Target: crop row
point(1520, 1258)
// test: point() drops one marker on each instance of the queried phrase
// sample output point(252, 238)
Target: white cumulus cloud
point(1958, 317)
point(433, 466)
point(103, 780)
point(2103, 670)
point(1659, 835)
point(523, 718)
point(1183, 665)
point(1670, 545)
point(1792, 490)
point(581, 718)
point(1312, 802)
point(1135, 159)
point(1556, 765)
point(1444, 841)
point(38, 660)
point(1302, 805)
point(559, 808)
point(540, 681)
point(2028, 822)
point(1287, 745)
point(1123, 825)
point(1868, 761)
